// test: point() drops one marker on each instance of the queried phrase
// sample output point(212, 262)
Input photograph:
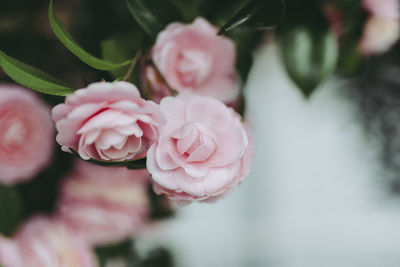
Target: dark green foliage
point(124, 250)
point(40, 194)
point(10, 209)
point(62, 34)
point(160, 206)
point(256, 14)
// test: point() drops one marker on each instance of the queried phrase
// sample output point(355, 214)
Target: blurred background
point(325, 183)
point(319, 194)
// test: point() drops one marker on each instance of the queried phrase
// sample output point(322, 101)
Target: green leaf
point(309, 56)
point(135, 164)
point(350, 60)
point(78, 51)
point(256, 14)
point(31, 77)
point(144, 17)
point(186, 8)
point(10, 209)
point(120, 48)
point(111, 49)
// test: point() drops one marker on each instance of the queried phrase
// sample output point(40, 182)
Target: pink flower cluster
point(382, 29)
point(197, 148)
point(98, 206)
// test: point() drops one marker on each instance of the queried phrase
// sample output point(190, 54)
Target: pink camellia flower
point(45, 242)
point(384, 9)
point(203, 151)
point(379, 35)
point(193, 58)
point(107, 121)
point(104, 205)
point(26, 134)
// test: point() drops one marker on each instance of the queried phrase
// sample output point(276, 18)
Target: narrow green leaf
point(144, 17)
point(10, 209)
point(78, 51)
point(31, 77)
point(134, 164)
point(256, 14)
point(309, 56)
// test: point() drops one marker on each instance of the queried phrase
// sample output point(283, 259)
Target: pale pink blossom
point(26, 134)
point(203, 152)
point(379, 35)
point(45, 242)
point(107, 121)
point(193, 58)
point(104, 205)
point(384, 9)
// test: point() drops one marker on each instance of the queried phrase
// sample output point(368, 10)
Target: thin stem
point(173, 91)
point(132, 66)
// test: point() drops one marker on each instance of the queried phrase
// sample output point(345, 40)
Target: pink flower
point(26, 134)
point(194, 58)
point(45, 242)
point(379, 35)
point(203, 152)
point(107, 121)
point(384, 9)
point(104, 204)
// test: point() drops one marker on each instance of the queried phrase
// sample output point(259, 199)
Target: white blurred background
point(314, 196)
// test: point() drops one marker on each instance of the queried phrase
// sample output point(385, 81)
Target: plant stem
point(132, 66)
point(173, 91)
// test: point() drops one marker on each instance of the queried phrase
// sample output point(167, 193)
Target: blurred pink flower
point(9, 253)
point(107, 121)
point(203, 152)
point(379, 35)
point(44, 242)
point(384, 9)
point(26, 134)
point(334, 18)
point(104, 205)
point(194, 58)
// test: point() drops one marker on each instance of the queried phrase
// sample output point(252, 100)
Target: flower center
point(194, 67)
point(13, 131)
point(195, 141)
